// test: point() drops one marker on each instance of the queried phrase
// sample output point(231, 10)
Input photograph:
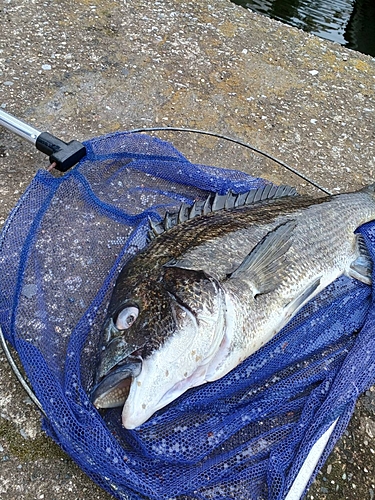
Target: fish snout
point(115, 350)
point(110, 330)
point(120, 362)
point(112, 354)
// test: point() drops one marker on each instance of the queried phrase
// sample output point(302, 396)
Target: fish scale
point(212, 289)
point(315, 253)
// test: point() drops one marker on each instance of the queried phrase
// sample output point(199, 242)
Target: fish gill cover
point(243, 436)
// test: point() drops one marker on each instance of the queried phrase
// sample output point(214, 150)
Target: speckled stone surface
point(79, 69)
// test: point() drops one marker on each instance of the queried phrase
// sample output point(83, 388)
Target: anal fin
point(361, 267)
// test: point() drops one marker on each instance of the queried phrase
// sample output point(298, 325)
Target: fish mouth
point(113, 389)
point(119, 364)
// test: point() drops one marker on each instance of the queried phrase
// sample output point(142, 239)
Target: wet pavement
point(81, 69)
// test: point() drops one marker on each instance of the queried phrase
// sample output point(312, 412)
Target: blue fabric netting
point(244, 436)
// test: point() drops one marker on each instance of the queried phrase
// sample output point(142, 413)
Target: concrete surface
point(83, 68)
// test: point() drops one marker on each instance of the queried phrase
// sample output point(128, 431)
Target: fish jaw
point(113, 389)
point(179, 365)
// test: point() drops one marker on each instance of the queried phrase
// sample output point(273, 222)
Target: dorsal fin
point(156, 228)
point(170, 220)
point(218, 203)
point(230, 200)
point(183, 213)
point(215, 202)
point(241, 199)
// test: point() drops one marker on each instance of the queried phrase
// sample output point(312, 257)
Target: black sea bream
point(218, 282)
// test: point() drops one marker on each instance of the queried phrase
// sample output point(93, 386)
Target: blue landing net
point(245, 436)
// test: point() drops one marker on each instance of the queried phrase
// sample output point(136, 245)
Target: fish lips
point(112, 391)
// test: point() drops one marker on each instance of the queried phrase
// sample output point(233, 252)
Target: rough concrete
point(83, 68)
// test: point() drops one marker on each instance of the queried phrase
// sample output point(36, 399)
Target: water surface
point(348, 22)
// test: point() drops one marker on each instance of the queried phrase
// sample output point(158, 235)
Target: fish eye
point(126, 317)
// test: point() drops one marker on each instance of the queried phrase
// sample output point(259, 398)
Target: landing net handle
point(62, 155)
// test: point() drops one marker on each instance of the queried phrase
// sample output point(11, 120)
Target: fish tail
point(370, 189)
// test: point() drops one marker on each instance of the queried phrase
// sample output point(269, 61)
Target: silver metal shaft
point(19, 127)
point(18, 374)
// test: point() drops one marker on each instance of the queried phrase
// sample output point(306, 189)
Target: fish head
point(134, 324)
point(162, 338)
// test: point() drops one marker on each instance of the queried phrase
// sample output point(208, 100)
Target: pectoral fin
point(361, 268)
point(264, 265)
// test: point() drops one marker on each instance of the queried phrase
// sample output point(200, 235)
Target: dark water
point(348, 22)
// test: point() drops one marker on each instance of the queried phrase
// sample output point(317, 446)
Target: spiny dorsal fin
point(156, 228)
point(183, 213)
point(230, 200)
point(215, 202)
point(218, 203)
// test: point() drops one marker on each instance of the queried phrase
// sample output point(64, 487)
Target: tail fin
point(370, 189)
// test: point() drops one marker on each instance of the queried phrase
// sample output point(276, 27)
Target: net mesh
point(242, 437)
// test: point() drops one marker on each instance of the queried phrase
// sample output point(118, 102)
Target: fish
point(217, 281)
